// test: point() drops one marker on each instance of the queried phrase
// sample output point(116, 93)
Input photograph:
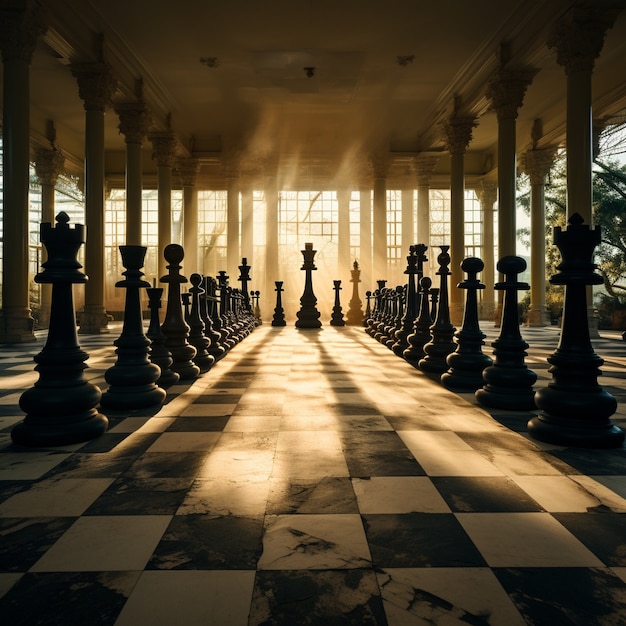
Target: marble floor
point(311, 477)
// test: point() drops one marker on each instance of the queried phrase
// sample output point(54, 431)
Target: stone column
point(49, 163)
point(408, 223)
point(21, 27)
point(187, 170)
point(271, 235)
point(487, 194)
point(343, 233)
point(230, 169)
point(537, 163)
point(134, 125)
point(458, 131)
point(365, 237)
point(380, 165)
point(423, 167)
point(164, 152)
point(96, 87)
point(247, 225)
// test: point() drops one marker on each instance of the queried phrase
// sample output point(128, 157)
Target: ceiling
point(312, 88)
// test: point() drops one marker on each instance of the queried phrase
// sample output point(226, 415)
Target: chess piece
point(508, 382)
point(410, 310)
point(132, 379)
point(368, 308)
point(421, 327)
point(197, 338)
point(217, 349)
point(337, 315)
point(256, 309)
point(574, 409)
point(441, 344)
point(228, 340)
point(279, 313)
point(61, 406)
point(467, 362)
point(308, 315)
point(399, 301)
point(159, 354)
point(174, 327)
point(354, 317)
point(372, 323)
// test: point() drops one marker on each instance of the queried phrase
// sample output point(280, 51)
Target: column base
point(94, 320)
point(538, 317)
point(16, 325)
point(457, 310)
point(487, 311)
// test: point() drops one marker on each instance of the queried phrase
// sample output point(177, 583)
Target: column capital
point(187, 170)
point(578, 36)
point(458, 133)
point(506, 90)
point(537, 164)
point(21, 25)
point(96, 84)
point(49, 163)
point(380, 164)
point(423, 166)
point(135, 121)
point(487, 193)
point(230, 164)
point(164, 147)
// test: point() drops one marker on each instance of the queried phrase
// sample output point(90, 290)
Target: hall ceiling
point(230, 77)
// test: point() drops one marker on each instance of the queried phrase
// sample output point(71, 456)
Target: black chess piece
point(467, 362)
point(354, 316)
point(213, 322)
point(574, 409)
point(337, 314)
point(61, 406)
point(308, 315)
point(368, 308)
point(256, 308)
point(279, 312)
point(174, 327)
point(159, 354)
point(228, 340)
point(132, 379)
point(203, 359)
point(509, 382)
point(436, 351)
point(399, 301)
point(244, 279)
point(410, 310)
point(434, 300)
point(372, 323)
point(421, 327)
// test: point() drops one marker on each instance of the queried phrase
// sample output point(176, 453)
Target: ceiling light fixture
point(309, 71)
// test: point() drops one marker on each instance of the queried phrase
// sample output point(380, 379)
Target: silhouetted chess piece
point(337, 314)
point(368, 308)
point(421, 327)
point(197, 338)
point(508, 382)
point(434, 300)
point(410, 310)
point(436, 351)
point(228, 340)
point(354, 316)
point(159, 354)
point(213, 323)
point(174, 327)
point(186, 300)
point(372, 323)
point(399, 301)
point(467, 362)
point(279, 312)
point(308, 315)
point(132, 379)
point(575, 410)
point(61, 406)
point(255, 295)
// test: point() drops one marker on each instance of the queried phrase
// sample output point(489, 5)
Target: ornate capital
point(487, 194)
point(578, 36)
point(96, 84)
point(164, 147)
point(187, 170)
point(506, 90)
point(423, 167)
point(49, 163)
point(20, 28)
point(458, 133)
point(135, 121)
point(537, 164)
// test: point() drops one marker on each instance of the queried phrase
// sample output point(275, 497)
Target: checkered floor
point(311, 477)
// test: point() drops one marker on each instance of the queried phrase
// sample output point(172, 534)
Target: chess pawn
point(174, 327)
point(421, 327)
point(159, 354)
point(574, 409)
point(467, 362)
point(197, 338)
point(337, 315)
point(410, 310)
point(132, 379)
point(508, 382)
point(368, 308)
point(308, 315)
point(217, 348)
point(228, 340)
point(399, 301)
point(61, 406)
point(279, 313)
point(441, 344)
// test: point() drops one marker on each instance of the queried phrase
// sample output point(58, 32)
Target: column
point(365, 238)
point(21, 27)
point(271, 236)
point(134, 125)
point(423, 167)
point(408, 223)
point(230, 168)
point(537, 163)
point(49, 163)
point(187, 170)
point(487, 194)
point(343, 234)
point(96, 86)
point(247, 226)
point(164, 152)
point(380, 165)
point(458, 136)
point(578, 38)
